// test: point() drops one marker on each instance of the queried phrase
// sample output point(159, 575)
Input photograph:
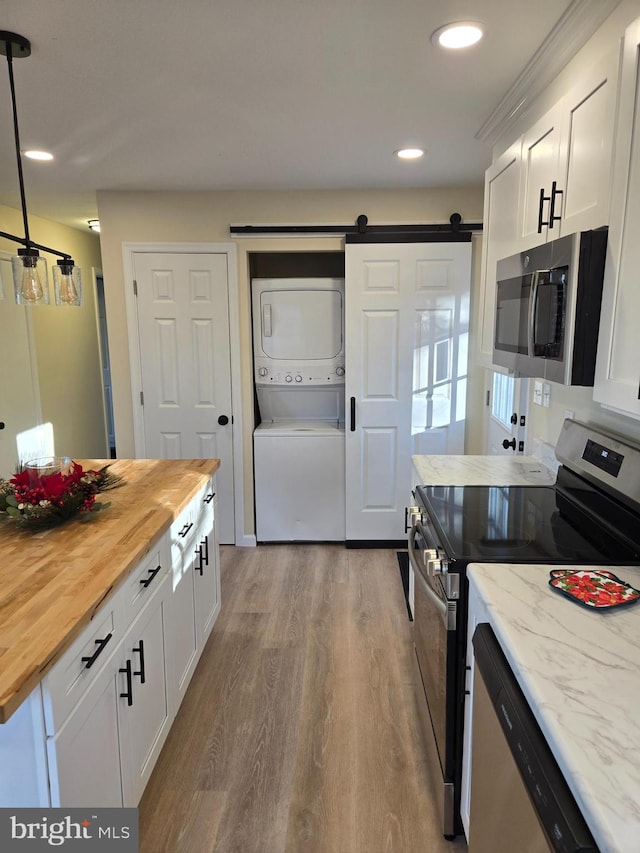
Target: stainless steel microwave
point(548, 309)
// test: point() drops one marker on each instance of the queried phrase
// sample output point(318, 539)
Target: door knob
point(223, 420)
point(509, 444)
point(2, 424)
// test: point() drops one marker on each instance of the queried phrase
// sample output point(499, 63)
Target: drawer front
point(184, 529)
point(81, 664)
point(144, 580)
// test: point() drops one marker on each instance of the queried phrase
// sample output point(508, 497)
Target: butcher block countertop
point(53, 581)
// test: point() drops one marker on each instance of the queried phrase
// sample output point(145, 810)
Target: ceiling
point(250, 94)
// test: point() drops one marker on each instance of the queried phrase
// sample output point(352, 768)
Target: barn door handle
point(353, 415)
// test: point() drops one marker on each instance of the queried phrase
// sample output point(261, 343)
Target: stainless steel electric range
point(590, 516)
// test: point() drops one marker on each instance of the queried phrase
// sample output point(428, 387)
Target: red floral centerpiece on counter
point(48, 494)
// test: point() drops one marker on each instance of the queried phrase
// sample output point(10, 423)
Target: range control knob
point(339, 371)
point(298, 378)
point(262, 371)
point(288, 378)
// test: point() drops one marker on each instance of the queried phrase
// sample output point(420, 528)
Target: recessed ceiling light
point(409, 153)
point(460, 34)
point(38, 155)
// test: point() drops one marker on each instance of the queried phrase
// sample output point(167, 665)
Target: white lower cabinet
point(91, 732)
point(207, 582)
point(477, 613)
point(103, 753)
point(84, 756)
point(195, 600)
point(143, 706)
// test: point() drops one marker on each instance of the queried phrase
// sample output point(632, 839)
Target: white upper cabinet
point(554, 180)
point(618, 364)
point(540, 172)
point(500, 237)
point(566, 159)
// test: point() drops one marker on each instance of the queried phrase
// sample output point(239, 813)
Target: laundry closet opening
point(298, 336)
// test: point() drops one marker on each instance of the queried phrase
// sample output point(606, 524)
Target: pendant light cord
point(17, 139)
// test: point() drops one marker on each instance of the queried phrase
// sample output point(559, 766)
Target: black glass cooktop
point(531, 524)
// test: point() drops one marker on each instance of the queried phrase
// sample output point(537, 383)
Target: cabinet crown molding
point(574, 28)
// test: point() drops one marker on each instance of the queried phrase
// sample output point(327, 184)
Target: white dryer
point(298, 341)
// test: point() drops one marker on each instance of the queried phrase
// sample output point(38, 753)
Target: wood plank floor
point(298, 733)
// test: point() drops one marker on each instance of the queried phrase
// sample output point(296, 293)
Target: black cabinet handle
point(209, 498)
point(140, 672)
point(543, 198)
point(89, 662)
point(128, 694)
point(205, 545)
point(198, 553)
point(353, 415)
point(509, 444)
point(552, 208)
point(152, 573)
point(186, 529)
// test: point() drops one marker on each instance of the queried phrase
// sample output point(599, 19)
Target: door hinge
point(488, 397)
point(142, 398)
point(135, 287)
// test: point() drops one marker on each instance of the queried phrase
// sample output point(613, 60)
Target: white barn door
point(406, 347)
point(185, 364)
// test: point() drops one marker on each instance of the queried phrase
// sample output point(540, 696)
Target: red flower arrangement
point(51, 499)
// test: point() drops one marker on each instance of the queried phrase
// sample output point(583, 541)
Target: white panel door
point(19, 393)
point(406, 347)
point(185, 363)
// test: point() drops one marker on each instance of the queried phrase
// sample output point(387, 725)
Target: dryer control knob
point(288, 378)
point(339, 371)
point(262, 371)
point(298, 378)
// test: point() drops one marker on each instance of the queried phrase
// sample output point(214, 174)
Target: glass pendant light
point(29, 269)
point(30, 278)
point(67, 282)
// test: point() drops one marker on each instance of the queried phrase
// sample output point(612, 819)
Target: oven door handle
point(446, 609)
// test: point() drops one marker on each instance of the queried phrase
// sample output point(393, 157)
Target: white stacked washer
point(298, 344)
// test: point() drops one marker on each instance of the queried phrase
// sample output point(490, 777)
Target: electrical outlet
point(537, 392)
point(546, 395)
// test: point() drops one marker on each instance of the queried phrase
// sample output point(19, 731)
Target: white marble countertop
point(580, 673)
point(481, 471)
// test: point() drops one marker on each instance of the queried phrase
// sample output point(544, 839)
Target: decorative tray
point(597, 590)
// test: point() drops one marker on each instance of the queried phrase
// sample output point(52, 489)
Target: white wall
point(546, 422)
point(205, 217)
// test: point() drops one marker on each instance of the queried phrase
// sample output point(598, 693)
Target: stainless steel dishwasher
point(520, 800)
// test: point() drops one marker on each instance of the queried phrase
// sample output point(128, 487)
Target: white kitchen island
point(579, 672)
